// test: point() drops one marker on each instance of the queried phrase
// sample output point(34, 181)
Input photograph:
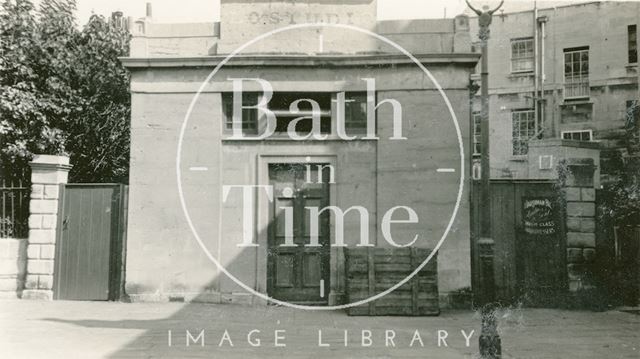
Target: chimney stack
point(149, 10)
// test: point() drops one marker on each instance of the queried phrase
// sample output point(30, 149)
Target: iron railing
point(14, 208)
point(576, 86)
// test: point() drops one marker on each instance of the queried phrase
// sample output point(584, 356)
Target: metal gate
point(90, 242)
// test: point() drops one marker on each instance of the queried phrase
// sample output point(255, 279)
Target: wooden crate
point(373, 270)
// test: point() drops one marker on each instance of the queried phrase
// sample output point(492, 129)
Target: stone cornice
point(466, 59)
point(50, 166)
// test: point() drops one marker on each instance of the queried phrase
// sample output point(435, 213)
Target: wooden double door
point(297, 272)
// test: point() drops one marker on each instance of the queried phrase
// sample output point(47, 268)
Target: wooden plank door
point(297, 273)
point(85, 259)
point(540, 248)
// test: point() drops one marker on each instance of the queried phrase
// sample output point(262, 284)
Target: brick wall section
point(580, 197)
point(47, 173)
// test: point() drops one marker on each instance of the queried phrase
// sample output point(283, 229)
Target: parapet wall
point(241, 23)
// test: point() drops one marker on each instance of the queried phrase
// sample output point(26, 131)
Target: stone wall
point(552, 151)
point(580, 198)
point(244, 20)
point(13, 263)
point(47, 174)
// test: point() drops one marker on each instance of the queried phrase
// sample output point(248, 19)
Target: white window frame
point(590, 132)
point(525, 40)
point(576, 80)
point(477, 133)
point(250, 127)
point(521, 137)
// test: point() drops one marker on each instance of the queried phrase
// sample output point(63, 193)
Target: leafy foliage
point(623, 202)
point(621, 199)
point(63, 90)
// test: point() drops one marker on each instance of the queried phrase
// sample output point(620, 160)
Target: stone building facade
point(563, 85)
point(169, 67)
point(566, 73)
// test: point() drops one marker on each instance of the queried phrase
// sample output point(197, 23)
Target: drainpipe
point(542, 20)
point(536, 71)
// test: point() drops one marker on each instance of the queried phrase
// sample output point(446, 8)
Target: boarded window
point(523, 128)
point(522, 55)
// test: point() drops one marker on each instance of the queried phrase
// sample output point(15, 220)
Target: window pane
point(584, 56)
point(356, 112)
point(522, 55)
point(477, 148)
point(523, 128)
point(576, 75)
point(632, 44)
point(585, 68)
point(249, 116)
point(567, 69)
point(280, 104)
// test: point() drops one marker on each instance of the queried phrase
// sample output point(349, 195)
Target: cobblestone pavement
point(30, 329)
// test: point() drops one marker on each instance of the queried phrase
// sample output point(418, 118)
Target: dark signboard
point(538, 216)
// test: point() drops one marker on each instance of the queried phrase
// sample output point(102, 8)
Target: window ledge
point(520, 74)
point(576, 101)
point(518, 158)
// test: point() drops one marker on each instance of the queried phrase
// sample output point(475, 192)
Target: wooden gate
point(626, 264)
point(529, 254)
point(90, 242)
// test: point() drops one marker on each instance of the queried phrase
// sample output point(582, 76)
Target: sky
point(208, 10)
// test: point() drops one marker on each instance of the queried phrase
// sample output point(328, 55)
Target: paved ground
point(31, 329)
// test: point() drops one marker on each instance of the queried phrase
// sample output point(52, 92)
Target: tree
point(621, 199)
point(63, 90)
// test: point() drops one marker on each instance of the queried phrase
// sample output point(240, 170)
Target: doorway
point(90, 242)
point(298, 273)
